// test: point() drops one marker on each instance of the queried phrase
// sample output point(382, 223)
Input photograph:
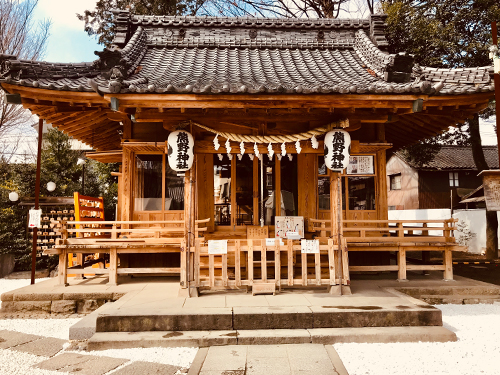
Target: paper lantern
point(51, 186)
point(180, 150)
point(337, 150)
point(13, 196)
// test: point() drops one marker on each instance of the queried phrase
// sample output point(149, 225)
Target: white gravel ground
point(477, 350)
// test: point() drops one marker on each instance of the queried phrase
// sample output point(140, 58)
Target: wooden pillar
point(381, 186)
point(188, 227)
point(127, 180)
point(233, 192)
point(113, 267)
point(63, 267)
point(334, 205)
point(277, 187)
point(256, 215)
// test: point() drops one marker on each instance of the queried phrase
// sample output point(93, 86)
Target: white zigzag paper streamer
point(314, 142)
point(297, 147)
point(270, 151)
point(256, 149)
point(216, 142)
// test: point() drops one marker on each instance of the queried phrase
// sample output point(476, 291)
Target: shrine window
point(453, 177)
point(157, 187)
point(395, 180)
point(222, 189)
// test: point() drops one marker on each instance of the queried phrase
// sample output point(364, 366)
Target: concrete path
point(296, 359)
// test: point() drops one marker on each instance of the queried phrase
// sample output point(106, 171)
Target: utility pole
point(496, 80)
point(37, 198)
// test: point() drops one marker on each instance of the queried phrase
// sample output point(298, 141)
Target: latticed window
point(395, 181)
point(453, 178)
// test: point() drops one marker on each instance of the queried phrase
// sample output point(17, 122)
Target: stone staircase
point(267, 325)
point(455, 295)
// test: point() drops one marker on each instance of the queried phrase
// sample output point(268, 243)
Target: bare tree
point(278, 8)
point(21, 36)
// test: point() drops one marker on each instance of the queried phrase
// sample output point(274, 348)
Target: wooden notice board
point(257, 232)
point(491, 184)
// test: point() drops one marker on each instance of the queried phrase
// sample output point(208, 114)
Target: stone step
point(460, 299)
point(120, 340)
point(252, 318)
point(417, 292)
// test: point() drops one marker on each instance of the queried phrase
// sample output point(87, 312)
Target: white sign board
point(360, 165)
point(309, 246)
point(270, 242)
point(285, 224)
point(35, 218)
point(217, 247)
point(293, 235)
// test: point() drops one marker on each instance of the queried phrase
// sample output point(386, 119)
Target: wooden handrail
point(394, 227)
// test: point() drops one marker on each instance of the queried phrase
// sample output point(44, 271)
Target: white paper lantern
point(13, 196)
point(180, 150)
point(51, 186)
point(337, 149)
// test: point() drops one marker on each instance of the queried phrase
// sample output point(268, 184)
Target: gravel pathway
point(477, 350)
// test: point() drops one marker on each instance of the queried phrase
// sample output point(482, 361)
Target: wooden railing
point(122, 237)
point(400, 236)
point(250, 262)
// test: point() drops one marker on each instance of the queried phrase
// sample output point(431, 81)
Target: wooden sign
point(271, 242)
point(217, 247)
point(257, 232)
point(284, 224)
point(35, 218)
point(491, 184)
point(309, 246)
point(360, 165)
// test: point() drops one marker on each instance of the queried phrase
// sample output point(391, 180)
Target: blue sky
point(68, 41)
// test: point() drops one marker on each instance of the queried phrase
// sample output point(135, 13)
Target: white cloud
point(63, 12)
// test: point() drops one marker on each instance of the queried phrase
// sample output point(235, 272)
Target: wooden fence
point(250, 262)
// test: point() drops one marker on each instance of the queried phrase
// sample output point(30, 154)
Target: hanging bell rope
point(277, 138)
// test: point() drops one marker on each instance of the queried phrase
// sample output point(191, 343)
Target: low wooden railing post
point(197, 250)
point(184, 252)
point(402, 264)
point(290, 255)
point(237, 263)
point(263, 261)
point(224, 269)
point(250, 262)
point(303, 257)
point(345, 262)
point(331, 261)
point(277, 263)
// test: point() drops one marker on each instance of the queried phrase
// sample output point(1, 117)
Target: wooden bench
point(401, 237)
point(124, 237)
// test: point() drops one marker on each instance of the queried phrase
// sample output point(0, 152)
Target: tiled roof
point(162, 54)
point(458, 157)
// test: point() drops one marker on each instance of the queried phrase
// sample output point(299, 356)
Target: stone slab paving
point(46, 346)
point(81, 364)
point(147, 368)
point(295, 359)
point(9, 339)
